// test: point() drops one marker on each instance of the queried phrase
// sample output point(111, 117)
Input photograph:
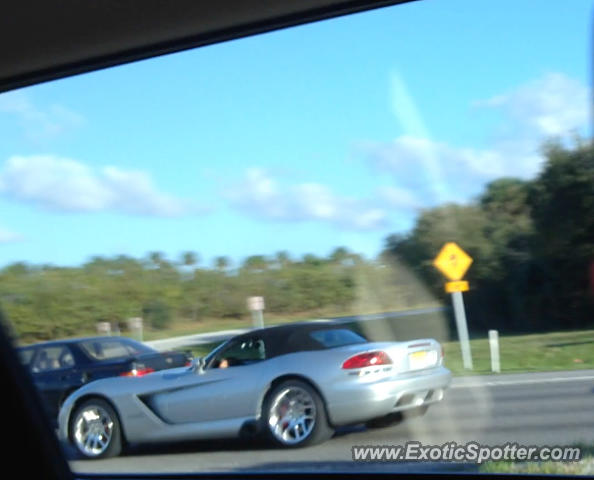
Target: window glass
point(52, 358)
point(26, 355)
point(240, 353)
point(137, 348)
point(105, 349)
point(336, 337)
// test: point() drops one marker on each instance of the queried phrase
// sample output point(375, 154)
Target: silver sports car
point(293, 383)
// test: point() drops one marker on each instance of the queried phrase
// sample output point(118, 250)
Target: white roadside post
point(494, 347)
point(135, 325)
point(256, 306)
point(453, 262)
point(104, 328)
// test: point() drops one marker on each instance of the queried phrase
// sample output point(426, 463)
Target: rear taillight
point(368, 359)
point(189, 363)
point(137, 372)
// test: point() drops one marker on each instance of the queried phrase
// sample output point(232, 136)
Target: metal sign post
point(453, 262)
point(256, 306)
point(462, 328)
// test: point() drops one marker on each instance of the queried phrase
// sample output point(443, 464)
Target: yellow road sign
point(452, 261)
point(460, 286)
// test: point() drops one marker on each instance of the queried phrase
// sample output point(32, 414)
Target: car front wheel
point(95, 430)
point(295, 415)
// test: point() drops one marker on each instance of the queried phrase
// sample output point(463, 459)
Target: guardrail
point(214, 337)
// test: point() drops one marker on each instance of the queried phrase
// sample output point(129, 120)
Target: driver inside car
point(224, 363)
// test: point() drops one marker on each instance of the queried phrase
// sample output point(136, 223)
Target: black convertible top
point(293, 337)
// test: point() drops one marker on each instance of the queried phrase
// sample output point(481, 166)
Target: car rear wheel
point(295, 415)
point(95, 430)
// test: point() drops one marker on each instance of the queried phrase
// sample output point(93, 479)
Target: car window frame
point(227, 346)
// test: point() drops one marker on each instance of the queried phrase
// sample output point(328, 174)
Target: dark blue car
point(60, 367)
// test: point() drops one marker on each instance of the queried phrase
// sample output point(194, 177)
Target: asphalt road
point(531, 409)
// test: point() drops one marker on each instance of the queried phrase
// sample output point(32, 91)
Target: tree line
point(44, 302)
point(532, 242)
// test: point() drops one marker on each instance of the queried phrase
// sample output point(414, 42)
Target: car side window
point(135, 348)
point(52, 358)
point(26, 355)
point(105, 349)
point(337, 337)
point(242, 352)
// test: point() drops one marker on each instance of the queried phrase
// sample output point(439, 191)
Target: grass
point(585, 466)
point(527, 353)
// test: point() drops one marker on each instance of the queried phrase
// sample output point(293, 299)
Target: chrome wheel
point(93, 430)
point(292, 415)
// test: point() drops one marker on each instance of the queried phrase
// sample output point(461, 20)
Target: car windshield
point(409, 188)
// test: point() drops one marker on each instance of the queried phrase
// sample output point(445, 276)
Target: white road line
point(522, 382)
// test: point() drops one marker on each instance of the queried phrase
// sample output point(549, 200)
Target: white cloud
point(552, 105)
point(68, 185)
point(8, 236)
point(425, 172)
point(260, 195)
point(420, 167)
point(408, 153)
point(39, 123)
point(462, 171)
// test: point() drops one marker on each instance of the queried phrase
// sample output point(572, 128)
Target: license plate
point(421, 359)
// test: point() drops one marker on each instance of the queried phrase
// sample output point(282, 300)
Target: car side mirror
point(197, 364)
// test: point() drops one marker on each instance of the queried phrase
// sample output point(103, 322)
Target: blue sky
point(329, 134)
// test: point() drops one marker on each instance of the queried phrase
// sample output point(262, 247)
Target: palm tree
point(222, 263)
point(311, 259)
point(283, 259)
point(156, 258)
point(339, 255)
point(189, 259)
point(255, 263)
